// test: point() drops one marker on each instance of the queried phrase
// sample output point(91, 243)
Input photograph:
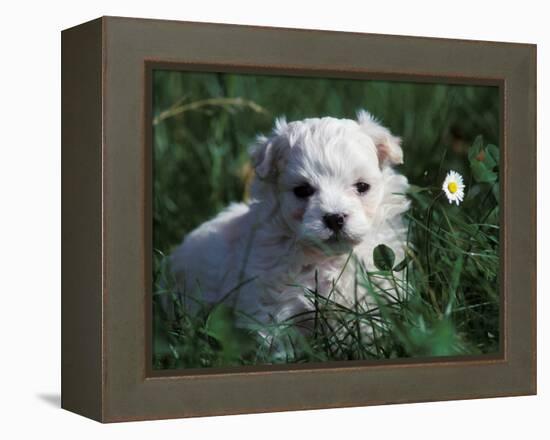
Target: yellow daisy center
point(452, 187)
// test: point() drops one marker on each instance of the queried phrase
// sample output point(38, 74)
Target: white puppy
point(323, 187)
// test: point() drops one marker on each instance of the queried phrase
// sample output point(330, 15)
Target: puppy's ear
point(267, 150)
point(388, 146)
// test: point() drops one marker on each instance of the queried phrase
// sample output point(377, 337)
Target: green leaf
point(401, 265)
point(221, 325)
point(494, 152)
point(483, 159)
point(220, 321)
point(493, 216)
point(443, 340)
point(475, 149)
point(384, 257)
point(481, 173)
point(488, 159)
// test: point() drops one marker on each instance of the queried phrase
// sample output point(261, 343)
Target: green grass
point(445, 298)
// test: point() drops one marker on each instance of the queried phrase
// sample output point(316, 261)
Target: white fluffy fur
point(275, 243)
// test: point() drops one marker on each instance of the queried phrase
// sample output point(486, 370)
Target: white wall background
point(30, 218)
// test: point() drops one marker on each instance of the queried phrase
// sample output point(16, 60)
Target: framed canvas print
point(263, 219)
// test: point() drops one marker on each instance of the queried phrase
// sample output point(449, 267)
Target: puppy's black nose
point(334, 222)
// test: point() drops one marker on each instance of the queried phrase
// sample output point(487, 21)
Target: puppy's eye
point(362, 187)
point(303, 191)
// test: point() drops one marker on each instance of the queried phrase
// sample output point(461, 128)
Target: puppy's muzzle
point(335, 222)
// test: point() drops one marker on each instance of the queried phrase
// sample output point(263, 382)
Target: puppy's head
point(327, 176)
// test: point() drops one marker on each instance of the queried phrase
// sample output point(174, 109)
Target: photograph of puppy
point(323, 187)
point(324, 234)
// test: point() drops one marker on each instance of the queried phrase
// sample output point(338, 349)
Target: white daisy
point(453, 186)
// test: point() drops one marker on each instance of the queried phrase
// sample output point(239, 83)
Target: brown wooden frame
point(106, 215)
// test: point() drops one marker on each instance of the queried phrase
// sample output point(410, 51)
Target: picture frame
point(107, 220)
